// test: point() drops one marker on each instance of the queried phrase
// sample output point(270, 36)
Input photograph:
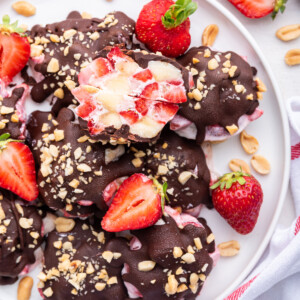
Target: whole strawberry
point(238, 197)
point(164, 26)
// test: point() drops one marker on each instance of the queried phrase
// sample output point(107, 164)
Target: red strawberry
point(164, 26)
point(238, 197)
point(14, 50)
point(164, 112)
point(174, 94)
point(116, 53)
point(136, 205)
point(143, 75)
point(259, 8)
point(17, 169)
point(130, 116)
point(141, 105)
point(151, 91)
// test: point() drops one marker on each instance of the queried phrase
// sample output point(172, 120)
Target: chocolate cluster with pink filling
point(170, 260)
point(21, 231)
point(73, 169)
point(59, 51)
point(12, 112)
point(83, 262)
point(129, 96)
point(223, 99)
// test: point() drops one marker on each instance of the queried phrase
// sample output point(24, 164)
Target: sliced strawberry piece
point(14, 54)
point(164, 112)
point(137, 205)
point(173, 94)
point(17, 170)
point(151, 91)
point(130, 116)
point(141, 105)
point(98, 68)
point(115, 54)
point(94, 129)
point(143, 75)
point(82, 94)
point(85, 109)
point(254, 8)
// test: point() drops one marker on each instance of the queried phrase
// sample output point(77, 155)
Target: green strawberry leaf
point(279, 6)
point(4, 136)
point(10, 28)
point(178, 13)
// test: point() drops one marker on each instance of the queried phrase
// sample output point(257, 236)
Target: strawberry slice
point(164, 112)
point(130, 116)
point(174, 94)
point(137, 205)
point(17, 169)
point(14, 50)
point(98, 68)
point(85, 109)
point(151, 91)
point(259, 8)
point(116, 54)
point(143, 75)
point(141, 105)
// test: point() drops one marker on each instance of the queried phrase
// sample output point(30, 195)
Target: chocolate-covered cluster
point(73, 169)
point(20, 235)
point(81, 262)
point(60, 50)
point(224, 89)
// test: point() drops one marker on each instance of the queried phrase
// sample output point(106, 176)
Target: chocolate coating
point(75, 263)
point(17, 244)
point(142, 58)
point(76, 51)
point(78, 168)
point(158, 243)
point(222, 105)
point(13, 125)
point(167, 159)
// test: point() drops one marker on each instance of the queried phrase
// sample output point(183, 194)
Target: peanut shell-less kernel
point(24, 288)
point(236, 165)
point(260, 164)
point(249, 142)
point(209, 35)
point(24, 8)
point(64, 224)
point(292, 57)
point(230, 248)
point(289, 32)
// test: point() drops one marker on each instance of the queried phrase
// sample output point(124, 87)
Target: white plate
point(271, 130)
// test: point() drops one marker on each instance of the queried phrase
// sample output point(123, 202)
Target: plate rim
point(286, 138)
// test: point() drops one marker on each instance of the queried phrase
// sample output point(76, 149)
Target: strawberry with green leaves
point(259, 8)
point(14, 50)
point(138, 204)
point(238, 197)
point(164, 26)
point(17, 168)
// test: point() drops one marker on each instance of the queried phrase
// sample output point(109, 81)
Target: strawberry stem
point(227, 180)
point(5, 139)
point(178, 13)
point(162, 190)
point(279, 6)
point(6, 27)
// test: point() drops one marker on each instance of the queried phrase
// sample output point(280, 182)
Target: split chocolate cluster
point(60, 50)
point(224, 98)
point(20, 235)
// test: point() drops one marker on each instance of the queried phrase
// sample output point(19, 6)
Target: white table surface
point(288, 78)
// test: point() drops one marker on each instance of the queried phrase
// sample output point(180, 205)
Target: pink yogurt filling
point(216, 133)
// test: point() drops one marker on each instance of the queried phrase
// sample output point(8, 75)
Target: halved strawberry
point(14, 50)
point(143, 75)
point(259, 8)
point(137, 205)
point(17, 169)
point(164, 112)
point(130, 116)
point(99, 67)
